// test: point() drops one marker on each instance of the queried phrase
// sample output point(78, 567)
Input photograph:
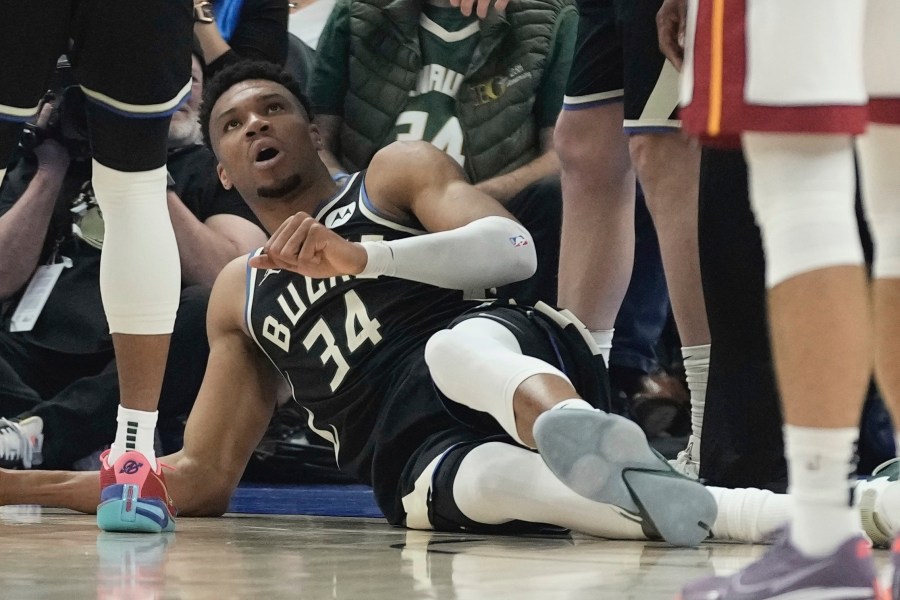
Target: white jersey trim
point(449, 36)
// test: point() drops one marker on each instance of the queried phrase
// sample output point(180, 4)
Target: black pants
point(539, 208)
point(742, 441)
point(77, 396)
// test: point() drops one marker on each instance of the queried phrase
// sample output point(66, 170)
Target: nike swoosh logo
point(779, 584)
point(627, 515)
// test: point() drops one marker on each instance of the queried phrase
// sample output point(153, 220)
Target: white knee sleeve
point(802, 188)
point(879, 149)
point(140, 274)
point(479, 364)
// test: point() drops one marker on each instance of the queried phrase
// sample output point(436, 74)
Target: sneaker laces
point(15, 447)
point(685, 463)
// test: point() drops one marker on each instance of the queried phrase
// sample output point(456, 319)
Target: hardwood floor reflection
point(61, 555)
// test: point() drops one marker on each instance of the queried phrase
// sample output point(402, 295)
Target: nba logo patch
point(518, 240)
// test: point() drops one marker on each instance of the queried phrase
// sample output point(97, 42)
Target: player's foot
point(21, 443)
point(688, 461)
point(784, 572)
point(606, 458)
point(895, 565)
point(133, 497)
point(878, 498)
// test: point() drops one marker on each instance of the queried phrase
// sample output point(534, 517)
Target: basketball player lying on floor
point(435, 401)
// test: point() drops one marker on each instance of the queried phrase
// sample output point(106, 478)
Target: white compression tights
point(498, 482)
point(140, 272)
point(479, 364)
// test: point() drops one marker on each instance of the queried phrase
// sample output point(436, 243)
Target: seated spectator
point(485, 91)
point(308, 18)
point(233, 30)
point(58, 380)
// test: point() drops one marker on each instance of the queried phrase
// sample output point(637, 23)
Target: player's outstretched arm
point(474, 242)
point(232, 410)
point(231, 413)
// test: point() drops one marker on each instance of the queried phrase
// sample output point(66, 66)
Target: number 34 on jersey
point(358, 329)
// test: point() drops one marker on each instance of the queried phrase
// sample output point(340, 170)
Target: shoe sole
point(606, 458)
point(123, 510)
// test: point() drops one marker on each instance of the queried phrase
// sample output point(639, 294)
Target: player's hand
point(303, 245)
point(481, 6)
point(51, 156)
point(671, 21)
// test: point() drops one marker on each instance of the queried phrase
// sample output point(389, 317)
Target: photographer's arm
point(23, 227)
point(206, 247)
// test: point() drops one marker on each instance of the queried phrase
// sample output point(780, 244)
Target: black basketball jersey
point(339, 341)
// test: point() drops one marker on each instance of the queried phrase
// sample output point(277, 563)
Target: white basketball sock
point(573, 403)
point(819, 465)
point(749, 514)
point(136, 431)
point(604, 339)
point(696, 369)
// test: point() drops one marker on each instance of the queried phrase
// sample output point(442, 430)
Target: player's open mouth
point(267, 157)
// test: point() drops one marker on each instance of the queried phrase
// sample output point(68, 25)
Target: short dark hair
point(242, 71)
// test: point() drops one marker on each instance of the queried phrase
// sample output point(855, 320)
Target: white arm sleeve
point(485, 253)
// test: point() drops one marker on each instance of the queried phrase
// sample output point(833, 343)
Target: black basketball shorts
point(617, 59)
point(426, 484)
point(134, 58)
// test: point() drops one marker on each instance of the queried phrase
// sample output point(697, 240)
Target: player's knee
point(479, 482)
point(590, 148)
point(803, 200)
point(443, 348)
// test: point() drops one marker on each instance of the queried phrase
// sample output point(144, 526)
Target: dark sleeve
point(14, 184)
point(199, 188)
point(216, 200)
point(261, 34)
point(330, 79)
point(553, 85)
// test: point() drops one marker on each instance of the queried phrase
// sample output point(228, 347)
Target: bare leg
point(141, 363)
point(668, 167)
point(597, 247)
point(834, 338)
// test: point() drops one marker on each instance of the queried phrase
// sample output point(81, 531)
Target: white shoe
point(688, 461)
point(878, 499)
point(21, 443)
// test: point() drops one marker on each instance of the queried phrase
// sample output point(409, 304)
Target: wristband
point(203, 12)
point(380, 260)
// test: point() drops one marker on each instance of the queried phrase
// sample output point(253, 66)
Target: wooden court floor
point(53, 554)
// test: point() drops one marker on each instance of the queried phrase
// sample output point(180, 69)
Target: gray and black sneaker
point(606, 458)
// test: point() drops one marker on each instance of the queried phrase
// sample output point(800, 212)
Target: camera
point(68, 119)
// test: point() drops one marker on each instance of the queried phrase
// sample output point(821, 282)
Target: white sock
point(2, 174)
point(897, 444)
point(819, 465)
point(750, 514)
point(696, 369)
point(136, 431)
point(576, 403)
point(604, 339)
